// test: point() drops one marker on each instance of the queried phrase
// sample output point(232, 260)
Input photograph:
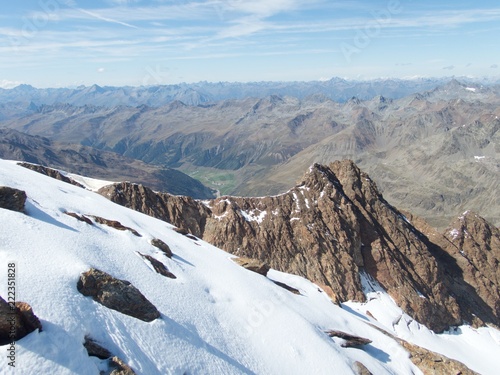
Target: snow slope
point(217, 318)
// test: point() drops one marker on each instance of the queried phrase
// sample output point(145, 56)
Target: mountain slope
point(330, 227)
point(216, 317)
point(97, 163)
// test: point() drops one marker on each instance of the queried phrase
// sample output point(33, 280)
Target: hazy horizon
point(67, 43)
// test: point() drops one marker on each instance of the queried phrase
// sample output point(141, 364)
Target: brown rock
point(116, 294)
point(16, 321)
point(114, 224)
point(80, 217)
point(253, 265)
point(120, 367)
point(351, 341)
point(156, 242)
point(12, 199)
point(158, 266)
point(179, 210)
point(361, 369)
point(287, 287)
point(433, 363)
point(95, 350)
point(54, 173)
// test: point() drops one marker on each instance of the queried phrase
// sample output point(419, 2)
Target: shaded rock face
point(12, 199)
point(472, 254)
point(116, 294)
point(16, 321)
point(330, 227)
point(54, 173)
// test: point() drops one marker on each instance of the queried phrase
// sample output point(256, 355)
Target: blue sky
point(54, 43)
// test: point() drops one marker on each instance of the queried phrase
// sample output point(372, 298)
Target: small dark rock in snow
point(159, 266)
point(96, 350)
point(351, 341)
point(156, 242)
point(12, 199)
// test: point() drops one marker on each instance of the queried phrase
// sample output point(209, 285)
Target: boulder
point(16, 321)
point(253, 265)
point(116, 294)
point(12, 199)
point(351, 341)
point(156, 242)
point(158, 266)
point(120, 367)
point(96, 350)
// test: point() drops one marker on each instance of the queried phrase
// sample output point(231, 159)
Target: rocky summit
point(335, 226)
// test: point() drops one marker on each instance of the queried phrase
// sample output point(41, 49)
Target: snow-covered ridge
point(216, 317)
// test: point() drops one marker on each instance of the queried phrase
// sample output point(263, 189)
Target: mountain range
point(434, 153)
point(336, 89)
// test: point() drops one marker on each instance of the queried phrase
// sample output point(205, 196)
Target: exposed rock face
point(174, 209)
point(330, 227)
point(116, 294)
point(54, 173)
point(16, 321)
point(472, 254)
point(12, 199)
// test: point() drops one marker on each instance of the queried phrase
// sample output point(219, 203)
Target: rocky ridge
point(332, 227)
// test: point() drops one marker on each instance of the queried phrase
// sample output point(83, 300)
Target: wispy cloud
point(6, 84)
point(106, 19)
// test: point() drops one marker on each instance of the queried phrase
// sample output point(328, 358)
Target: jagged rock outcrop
point(174, 209)
point(12, 199)
point(16, 321)
point(50, 172)
point(472, 253)
point(330, 227)
point(116, 294)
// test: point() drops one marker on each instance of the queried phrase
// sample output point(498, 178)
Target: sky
point(66, 43)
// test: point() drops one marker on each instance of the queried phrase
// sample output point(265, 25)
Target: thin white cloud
point(106, 19)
